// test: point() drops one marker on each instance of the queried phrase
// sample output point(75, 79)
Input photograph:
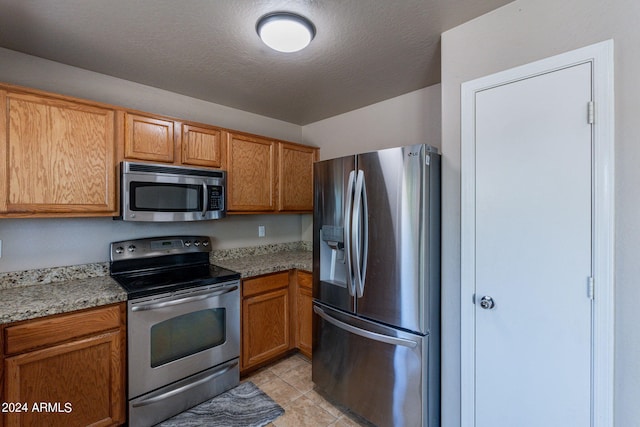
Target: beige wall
point(519, 33)
point(37, 243)
point(412, 118)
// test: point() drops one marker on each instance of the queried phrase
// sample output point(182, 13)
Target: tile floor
point(288, 382)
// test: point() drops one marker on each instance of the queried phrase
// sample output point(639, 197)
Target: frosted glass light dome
point(285, 31)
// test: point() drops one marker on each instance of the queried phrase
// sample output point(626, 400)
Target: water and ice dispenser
point(333, 268)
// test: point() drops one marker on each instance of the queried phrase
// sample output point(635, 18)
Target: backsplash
point(44, 276)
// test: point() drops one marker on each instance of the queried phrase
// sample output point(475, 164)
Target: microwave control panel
point(216, 198)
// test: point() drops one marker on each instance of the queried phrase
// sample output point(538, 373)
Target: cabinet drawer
point(267, 283)
point(51, 330)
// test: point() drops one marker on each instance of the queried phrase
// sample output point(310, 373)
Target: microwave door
point(167, 198)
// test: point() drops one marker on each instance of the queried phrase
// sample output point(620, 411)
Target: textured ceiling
point(364, 51)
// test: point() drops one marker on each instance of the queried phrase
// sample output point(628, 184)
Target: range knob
point(205, 243)
point(197, 243)
point(119, 249)
point(131, 248)
point(187, 243)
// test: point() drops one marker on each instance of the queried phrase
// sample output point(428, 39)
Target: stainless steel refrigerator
point(376, 284)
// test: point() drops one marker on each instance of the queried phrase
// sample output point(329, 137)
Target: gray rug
point(243, 406)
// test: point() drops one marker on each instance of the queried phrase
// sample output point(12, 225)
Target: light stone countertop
point(255, 265)
point(28, 300)
point(41, 292)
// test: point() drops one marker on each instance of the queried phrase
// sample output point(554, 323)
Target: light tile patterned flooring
point(288, 383)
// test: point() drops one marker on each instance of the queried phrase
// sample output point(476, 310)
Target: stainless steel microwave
point(162, 193)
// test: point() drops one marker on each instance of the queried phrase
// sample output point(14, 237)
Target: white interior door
point(533, 251)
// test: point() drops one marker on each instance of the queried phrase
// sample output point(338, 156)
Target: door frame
point(600, 56)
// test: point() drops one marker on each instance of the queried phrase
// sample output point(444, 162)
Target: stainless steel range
point(183, 324)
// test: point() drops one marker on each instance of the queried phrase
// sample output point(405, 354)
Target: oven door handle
point(157, 398)
point(156, 305)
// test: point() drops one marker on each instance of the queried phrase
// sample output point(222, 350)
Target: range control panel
point(159, 246)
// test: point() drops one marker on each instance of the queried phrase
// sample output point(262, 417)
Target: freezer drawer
point(378, 372)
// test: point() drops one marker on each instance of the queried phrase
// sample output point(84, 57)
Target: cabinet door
point(149, 138)
point(202, 146)
point(78, 383)
point(265, 327)
point(60, 156)
point(304, 319)
point(295, 171)
point(251, 173)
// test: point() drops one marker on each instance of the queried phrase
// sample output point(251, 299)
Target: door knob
point(487, 302)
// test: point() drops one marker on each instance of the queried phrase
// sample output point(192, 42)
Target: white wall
point(413, 118)
point(519, 33)
point(35, 243)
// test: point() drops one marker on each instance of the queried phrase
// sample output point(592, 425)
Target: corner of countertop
point(265, 259)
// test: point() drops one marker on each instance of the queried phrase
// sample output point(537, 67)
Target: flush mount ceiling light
point(285, 31)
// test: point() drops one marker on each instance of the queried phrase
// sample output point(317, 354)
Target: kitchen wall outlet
point(261, 231)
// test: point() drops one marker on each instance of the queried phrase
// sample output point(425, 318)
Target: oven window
point(160, 197)
point(185, 335)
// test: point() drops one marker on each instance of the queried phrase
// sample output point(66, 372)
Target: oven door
point(171, 337)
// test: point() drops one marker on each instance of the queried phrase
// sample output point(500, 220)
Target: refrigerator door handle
point(360, 234)
point(363, 332)
point(347, 233)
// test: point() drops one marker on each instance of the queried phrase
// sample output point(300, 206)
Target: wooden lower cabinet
point(276, 317)
point(266, 328)
point(66, 370)
point(304, 312)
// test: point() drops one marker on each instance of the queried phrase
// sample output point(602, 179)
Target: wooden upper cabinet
point(60, 156)
point(160, 139)
point(149, 138)
point(295, 171)
point(202, 146)
point(251, 178)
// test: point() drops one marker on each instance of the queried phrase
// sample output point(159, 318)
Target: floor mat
point(243, 406)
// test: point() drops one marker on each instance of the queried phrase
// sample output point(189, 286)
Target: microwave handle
point(205, 198)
